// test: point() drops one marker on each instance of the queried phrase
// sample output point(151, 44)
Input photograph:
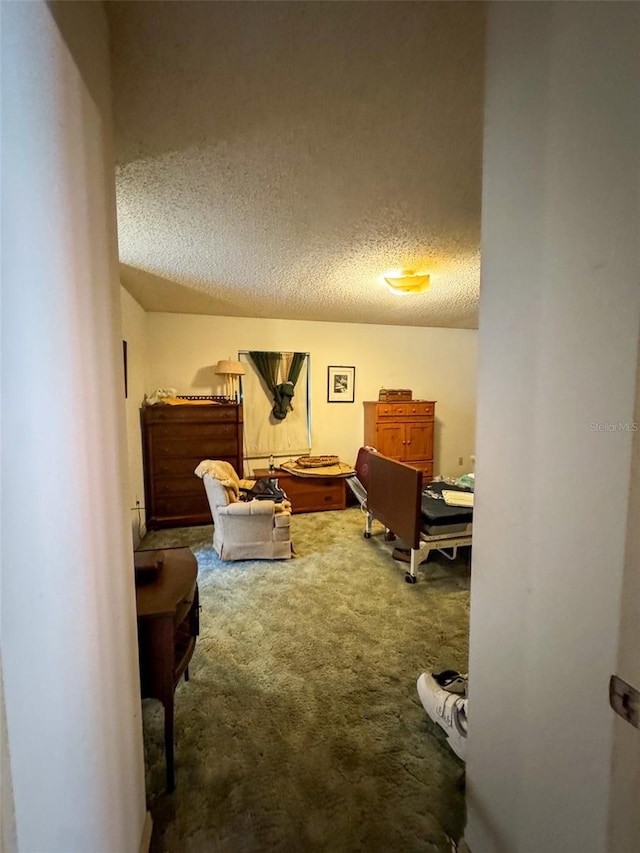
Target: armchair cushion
point(248, 508)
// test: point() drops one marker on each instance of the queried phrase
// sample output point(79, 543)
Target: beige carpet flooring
point(300, 728)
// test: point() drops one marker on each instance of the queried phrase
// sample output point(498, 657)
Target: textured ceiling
point(275, 158)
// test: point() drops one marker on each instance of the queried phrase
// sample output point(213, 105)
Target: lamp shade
point(229, 367)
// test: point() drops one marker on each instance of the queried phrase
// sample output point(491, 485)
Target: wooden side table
point(168, 624)
point(309, 494)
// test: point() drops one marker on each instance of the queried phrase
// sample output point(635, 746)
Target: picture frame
point(341, 383)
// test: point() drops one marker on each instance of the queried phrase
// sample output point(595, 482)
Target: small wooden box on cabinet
point(175, 439)
point(402, 431)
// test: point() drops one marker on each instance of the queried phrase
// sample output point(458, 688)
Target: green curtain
point(296, 366)
point(267, 364)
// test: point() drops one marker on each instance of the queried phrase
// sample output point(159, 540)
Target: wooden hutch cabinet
point(174, 440)
point(402, 431)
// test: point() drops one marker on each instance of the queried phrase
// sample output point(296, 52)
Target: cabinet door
point(419, 438)
point(390, 440)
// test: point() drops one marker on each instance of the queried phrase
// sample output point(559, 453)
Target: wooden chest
point(309, 494)
point(174, 440)
point(394, 395)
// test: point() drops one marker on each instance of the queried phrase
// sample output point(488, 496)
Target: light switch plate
point(625, 700)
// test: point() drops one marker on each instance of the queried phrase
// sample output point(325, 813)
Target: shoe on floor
point(452, 681)
point(404, 554)
point(446, 709)
point(401, 554)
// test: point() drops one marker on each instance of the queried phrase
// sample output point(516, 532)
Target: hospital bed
point(395, 496)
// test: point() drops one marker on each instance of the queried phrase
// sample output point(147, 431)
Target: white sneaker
point(452, 681)
point(446, 709)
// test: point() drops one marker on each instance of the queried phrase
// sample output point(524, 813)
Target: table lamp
point(230, 369)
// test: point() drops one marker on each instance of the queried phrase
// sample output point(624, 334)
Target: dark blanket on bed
point(436, 511)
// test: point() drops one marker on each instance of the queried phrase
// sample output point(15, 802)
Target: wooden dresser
point(174, 440)
point(402, 431)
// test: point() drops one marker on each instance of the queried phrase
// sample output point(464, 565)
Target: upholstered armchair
point(244, 530)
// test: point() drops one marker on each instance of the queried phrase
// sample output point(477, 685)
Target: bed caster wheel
point(410, 578)
point(367, 535)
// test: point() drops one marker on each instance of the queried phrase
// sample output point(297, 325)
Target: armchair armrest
point(246, 524)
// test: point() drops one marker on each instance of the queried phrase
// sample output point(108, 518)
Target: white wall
point(624, 797)
point(134, 332)
point(71, 684)
point(437, 364)
point(558, 335)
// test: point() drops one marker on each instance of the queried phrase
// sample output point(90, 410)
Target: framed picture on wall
point(341, 384)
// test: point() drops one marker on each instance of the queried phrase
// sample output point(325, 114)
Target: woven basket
point(316, 461)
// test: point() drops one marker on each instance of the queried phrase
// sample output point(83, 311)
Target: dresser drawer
point(427, 470)
point(415, 408)
point(212, 447)
point(184, 466)
point(175, 486)
point(192, 414)
point(181, 506)
point(192, 432)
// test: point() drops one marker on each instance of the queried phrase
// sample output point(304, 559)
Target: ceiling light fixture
point(407, 281)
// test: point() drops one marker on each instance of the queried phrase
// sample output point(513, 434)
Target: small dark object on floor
point(404, 555)
point(401, 554)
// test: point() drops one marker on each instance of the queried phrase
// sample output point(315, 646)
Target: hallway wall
point(559, 318)
point(69, 645)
